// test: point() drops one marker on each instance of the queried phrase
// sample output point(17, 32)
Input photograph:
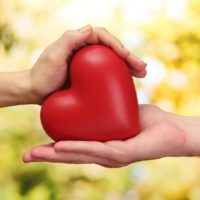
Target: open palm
point(159, 137)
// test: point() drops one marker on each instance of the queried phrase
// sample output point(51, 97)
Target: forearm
point(191, 128)
point(15, 88)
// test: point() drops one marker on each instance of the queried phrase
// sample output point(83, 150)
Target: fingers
point(135, 63)
point(73, 40)
point(46, 153)
point(138, 73)
point(101, 35)
point(91, 148)
point(60, 51)
point(28, 155)
point(115, 154)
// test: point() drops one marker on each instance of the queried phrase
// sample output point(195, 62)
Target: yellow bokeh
point(165, 33)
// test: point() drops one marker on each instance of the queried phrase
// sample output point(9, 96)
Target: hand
point(160, 136)
point(49, 73)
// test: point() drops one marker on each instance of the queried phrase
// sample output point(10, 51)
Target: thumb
point(74, 39)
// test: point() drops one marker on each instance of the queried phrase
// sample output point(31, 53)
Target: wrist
point(28, 93)
point(23, 92)
point(16, 89)
point(191, 129)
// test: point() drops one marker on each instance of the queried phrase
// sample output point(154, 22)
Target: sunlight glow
point(141, 11)
point(175, 9)
point(78, 12)
point(144, 11)
point(177, 79)
point(156, 71)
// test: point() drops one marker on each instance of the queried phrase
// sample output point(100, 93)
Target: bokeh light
point(165, 33)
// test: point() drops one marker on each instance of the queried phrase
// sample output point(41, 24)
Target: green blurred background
point(165, 33)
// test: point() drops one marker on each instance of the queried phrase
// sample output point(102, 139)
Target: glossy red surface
point(100, 104)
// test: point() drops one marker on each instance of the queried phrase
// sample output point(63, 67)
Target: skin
point(164, 134)
point(49, 73)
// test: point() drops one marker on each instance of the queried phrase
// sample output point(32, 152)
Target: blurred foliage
point(168, 43)
point(176, 44)
point(6, 36)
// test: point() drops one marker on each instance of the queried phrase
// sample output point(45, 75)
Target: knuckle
point(101, 29)
point(34, 153)
point(120, 158)
point(68, 34)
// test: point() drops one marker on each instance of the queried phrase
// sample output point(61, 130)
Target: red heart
point(101, 103)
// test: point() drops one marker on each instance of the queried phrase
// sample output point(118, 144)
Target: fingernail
point(144, 63)
point(140, 61)
point(85, 29)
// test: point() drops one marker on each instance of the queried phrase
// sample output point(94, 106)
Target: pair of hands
point(160, 136)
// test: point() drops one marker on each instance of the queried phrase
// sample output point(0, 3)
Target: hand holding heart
point(50, 72)
point(161, 135)
point(100, 103)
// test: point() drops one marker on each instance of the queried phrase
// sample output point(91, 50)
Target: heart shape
point(100, 104)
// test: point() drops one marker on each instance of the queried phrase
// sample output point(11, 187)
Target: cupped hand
point(49, 73)
point(160, 136)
